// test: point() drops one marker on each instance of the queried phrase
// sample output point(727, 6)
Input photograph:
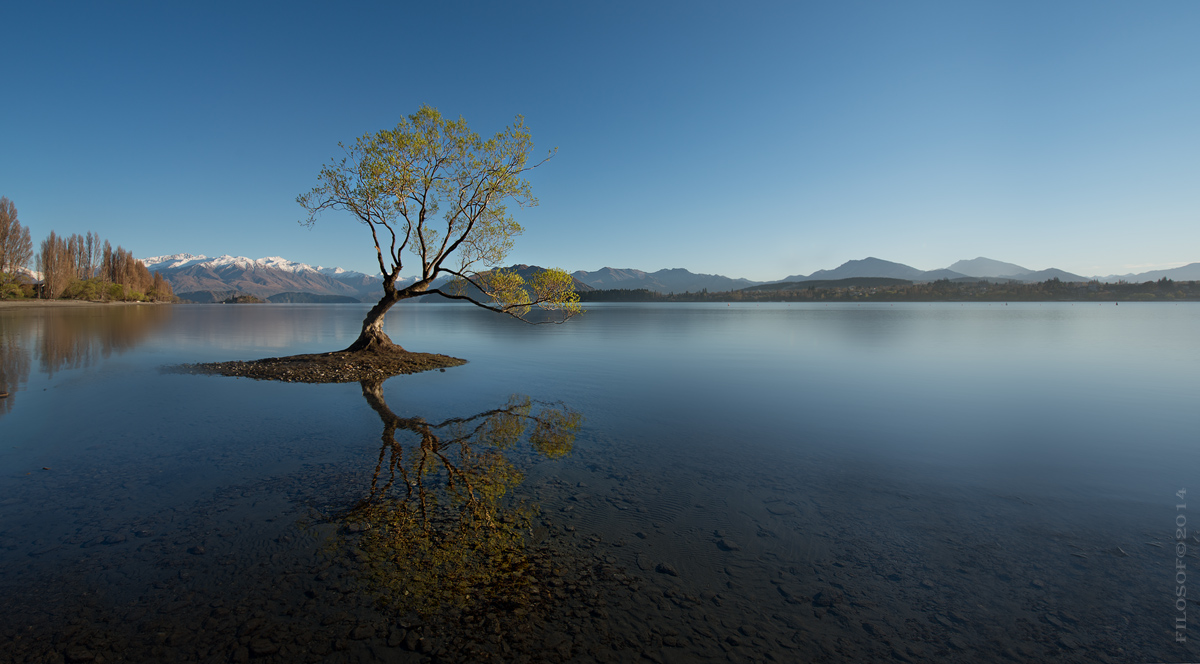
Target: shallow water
point(758, 482)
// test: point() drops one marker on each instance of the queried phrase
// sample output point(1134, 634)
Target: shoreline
point(34, 304)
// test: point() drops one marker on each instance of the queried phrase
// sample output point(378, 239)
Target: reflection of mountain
point(69, 338)
point(439, 529)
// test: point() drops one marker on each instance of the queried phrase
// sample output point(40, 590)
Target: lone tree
point(433, 189)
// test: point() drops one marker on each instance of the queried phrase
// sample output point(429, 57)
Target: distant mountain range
point(1189, 272)
point(674, 280)
point(262, 277)
point(204, 279)
point(874, 267)
point(986, 267)
point(978, 268)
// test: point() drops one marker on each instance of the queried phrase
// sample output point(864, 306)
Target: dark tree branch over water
point(434, 190)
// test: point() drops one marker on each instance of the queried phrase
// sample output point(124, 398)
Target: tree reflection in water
point(439, 528)
point(69, 338)
point(14, 366)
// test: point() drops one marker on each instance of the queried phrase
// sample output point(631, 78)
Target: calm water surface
point(908, 482)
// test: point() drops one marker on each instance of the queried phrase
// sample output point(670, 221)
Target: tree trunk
point(372, 337)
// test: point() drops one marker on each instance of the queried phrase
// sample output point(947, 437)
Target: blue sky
point(754, 140)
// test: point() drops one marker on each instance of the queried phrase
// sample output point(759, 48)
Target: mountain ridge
point(274, 275)
point(1189, 272)
point(986, 267)
point(876, 267)
point(261, 277)
point(667, 280)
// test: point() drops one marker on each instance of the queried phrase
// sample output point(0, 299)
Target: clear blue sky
point(755, 140)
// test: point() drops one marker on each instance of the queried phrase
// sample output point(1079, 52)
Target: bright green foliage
point(15, 291)
point(441, 530)
point(552, 290)
point(87, 289)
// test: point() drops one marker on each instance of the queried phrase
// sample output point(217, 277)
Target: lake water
point(907, 482)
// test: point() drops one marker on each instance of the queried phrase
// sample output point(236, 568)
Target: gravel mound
point(336, 367)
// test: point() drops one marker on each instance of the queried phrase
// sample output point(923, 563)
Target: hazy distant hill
point(860, 282)
point(875, 267)
point(1046, 275)
point(607, 278)
point(993, 269)
point(679, 280)
point(986, 267)
point(1189, 272)
point(671, 280)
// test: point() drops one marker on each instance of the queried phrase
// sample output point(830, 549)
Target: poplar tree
point(16, 249)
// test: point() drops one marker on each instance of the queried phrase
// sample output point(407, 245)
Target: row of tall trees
point(87, 267)
point(78, 266)
point(16, 249)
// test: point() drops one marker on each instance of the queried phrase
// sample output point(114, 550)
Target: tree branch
point(501, 310)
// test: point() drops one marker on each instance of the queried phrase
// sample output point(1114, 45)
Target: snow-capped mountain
point(179, 261)
point(262, 277)
point(27, 275)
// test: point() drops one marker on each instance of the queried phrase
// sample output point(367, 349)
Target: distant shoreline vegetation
point(879, 289)
point(855, 289)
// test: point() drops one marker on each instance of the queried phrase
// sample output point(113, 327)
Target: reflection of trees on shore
point(68, 338)
point(14, 366)
point(78, 338)
point(439, 529)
